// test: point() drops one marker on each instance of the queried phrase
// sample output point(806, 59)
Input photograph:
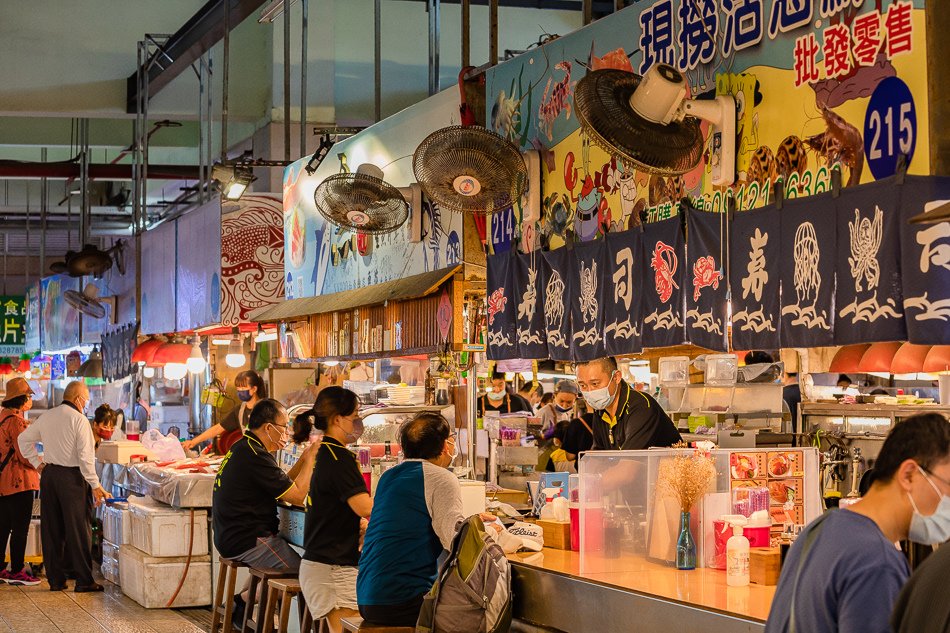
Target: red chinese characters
point(806, 66)
point(866, 35)
point(900, 28)
point(837, 50)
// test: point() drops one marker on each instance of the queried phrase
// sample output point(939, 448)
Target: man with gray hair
point(67, 475)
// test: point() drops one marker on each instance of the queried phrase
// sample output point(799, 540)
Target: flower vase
point(685, 545)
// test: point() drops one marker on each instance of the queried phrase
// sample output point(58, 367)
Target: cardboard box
point(765, 565)
point(557, 534)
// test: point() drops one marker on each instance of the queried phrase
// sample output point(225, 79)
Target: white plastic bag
point(166, 447)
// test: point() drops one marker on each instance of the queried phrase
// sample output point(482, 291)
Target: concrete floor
point(39, 610)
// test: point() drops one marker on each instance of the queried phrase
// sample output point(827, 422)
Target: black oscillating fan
point(648, 123)
point(362, 201)
point(470, 169)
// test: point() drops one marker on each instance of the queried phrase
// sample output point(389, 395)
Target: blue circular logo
point(890, 127)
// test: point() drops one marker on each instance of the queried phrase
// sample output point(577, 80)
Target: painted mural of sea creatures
point(590, 205)
point(840, 142)
point(556, 99)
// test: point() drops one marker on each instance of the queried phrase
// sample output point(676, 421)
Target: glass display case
point(629, 520)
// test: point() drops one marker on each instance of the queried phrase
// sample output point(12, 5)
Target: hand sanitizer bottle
point(737, 553)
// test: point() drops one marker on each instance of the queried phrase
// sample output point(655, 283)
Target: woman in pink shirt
point(19, 482)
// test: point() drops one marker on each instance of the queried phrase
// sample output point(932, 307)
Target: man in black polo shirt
point(624, 418)
point(246, 491)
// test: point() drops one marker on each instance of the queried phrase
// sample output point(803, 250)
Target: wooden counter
point(632, 594)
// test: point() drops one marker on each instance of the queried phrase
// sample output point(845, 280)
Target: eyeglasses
point(937, 477)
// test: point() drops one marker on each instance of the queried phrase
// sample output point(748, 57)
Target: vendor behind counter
point(499, 399)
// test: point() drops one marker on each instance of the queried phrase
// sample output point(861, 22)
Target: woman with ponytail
point(337, 504)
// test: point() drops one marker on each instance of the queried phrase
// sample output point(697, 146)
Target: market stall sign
point(12, 335)
point(117, 348)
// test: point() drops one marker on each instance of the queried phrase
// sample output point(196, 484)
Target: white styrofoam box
point(116, 524)
point(121, 451)
point(34, 545)
point(161, 530)
point(151, 580)
point(110, 562)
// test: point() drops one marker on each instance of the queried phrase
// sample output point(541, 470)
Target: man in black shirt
point(624, 419)
point(498, 399)
point(247, 488)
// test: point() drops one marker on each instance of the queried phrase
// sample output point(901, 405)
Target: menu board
point(781, 472)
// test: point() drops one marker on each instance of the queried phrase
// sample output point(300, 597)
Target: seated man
point(246, 491)
point(417, 508)
point(844, 572)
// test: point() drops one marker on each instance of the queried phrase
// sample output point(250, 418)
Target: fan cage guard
point(678, 148)
point(341, 197)
point(473, 151)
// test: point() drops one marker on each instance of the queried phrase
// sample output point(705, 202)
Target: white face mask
point(281, 442)
point(496, 396)
point(933, 529)
point(600, 398)
point(454, 455)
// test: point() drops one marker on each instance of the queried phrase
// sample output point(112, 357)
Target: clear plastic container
point(674, 371)
point(721, 370)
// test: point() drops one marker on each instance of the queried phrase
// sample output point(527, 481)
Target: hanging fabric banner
point(557, 292)
point(707, 289)
point(117, 348)
point(808, 247)
point(754, 279)
point(623, 293)
point(925, 261)
point(586, 301)
point(664, 256)
point(502, 308)
point(868, 298)
point(530, 275)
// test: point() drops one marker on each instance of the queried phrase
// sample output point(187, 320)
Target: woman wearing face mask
point(498, 399)
point(338, 502)
point(251, 389)
point(19, 482)
point(103, 423)
point(844, 572)
point(560, 409)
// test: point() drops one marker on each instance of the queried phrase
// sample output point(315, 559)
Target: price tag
point(890, 127)
point(502, 230)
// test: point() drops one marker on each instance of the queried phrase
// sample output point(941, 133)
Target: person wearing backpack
point(19, 482)
point(418, 506)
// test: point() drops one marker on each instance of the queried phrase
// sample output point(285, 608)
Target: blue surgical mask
point(244, 395)
point(933, 529)
point(600, 398)
point(561, 409)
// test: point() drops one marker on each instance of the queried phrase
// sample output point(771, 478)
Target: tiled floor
point(39, 610)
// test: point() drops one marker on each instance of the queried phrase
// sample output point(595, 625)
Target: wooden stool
point(307, 625)
point(355, 625)
point(283, 590)
point(223, 606)
point(259, 581)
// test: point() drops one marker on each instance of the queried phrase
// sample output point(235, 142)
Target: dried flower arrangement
point(687, 477)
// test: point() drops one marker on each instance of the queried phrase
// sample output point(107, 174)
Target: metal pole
point(84, 183)
point(377, 60)
point(303, 78)
point(492, 32)
point(619, 4)
point(588, 8)
point(227, 70)
point(287, 80)
point(208, 128)
point(466, 33)
point(44, 203)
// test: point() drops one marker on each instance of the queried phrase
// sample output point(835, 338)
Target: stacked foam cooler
point(154, 561)
point(116, 532)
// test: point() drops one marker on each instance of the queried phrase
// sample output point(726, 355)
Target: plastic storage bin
point(160, 530)
point(110, 562)
point(151, 581)
point(116, 524)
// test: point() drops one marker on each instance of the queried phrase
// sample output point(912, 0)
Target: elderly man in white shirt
point(67, 473)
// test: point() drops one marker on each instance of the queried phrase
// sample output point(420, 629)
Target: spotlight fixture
point(264, 336)
point(235, 357)
point(233, 180)
point(326, 143)
point(92, 368)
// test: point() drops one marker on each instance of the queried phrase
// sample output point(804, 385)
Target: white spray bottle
point(737, 552)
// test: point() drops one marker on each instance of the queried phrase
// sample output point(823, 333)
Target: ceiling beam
point(69, 169)
point(600, 7)
point(198, 35)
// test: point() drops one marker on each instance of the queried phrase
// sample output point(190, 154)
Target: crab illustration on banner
point(502, 308)
point(868, 297)
point(530, 276)
point(925, 261)
point(754, 279)
point(808, 247)
point(706, 310)
point(662, 311)
point(587, 315)
point(557, 314)
point(623, 294)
